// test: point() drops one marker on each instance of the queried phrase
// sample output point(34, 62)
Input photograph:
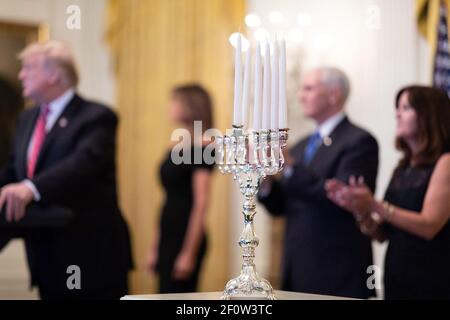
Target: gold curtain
point(427, 16)
point(157, 44)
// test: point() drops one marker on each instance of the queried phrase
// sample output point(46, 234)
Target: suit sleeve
point(359, 158)
point(362, 160)
point(8, 171)
point(273, 201)
point(94, 153)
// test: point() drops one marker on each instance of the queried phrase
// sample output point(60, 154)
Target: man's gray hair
point(56, 54)
point(332, 76)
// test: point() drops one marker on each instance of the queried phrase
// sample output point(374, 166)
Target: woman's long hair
point(198, 105)
point(432, 107)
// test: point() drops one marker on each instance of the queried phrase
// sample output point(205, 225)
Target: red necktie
point(39, 137)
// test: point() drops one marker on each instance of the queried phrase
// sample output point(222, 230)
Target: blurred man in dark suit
point(324, 251)
point(11, 105)
point(64, 154)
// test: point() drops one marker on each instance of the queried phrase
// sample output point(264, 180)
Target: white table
point(281, 295)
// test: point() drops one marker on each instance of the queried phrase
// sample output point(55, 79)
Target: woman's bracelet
point(388, 211)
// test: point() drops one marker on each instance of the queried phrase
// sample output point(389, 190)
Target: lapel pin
point(327, 141)
point(63, 122)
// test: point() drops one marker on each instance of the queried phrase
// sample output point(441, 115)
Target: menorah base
point(248, 286)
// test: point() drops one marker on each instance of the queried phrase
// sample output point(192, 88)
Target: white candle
point(258, 90)
point(237, 115)
point(266, 89)
point(275, 84)
point(282, 115)
point(246, 92)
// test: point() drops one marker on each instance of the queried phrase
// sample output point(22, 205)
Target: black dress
point(177, 183)
point(414, 267)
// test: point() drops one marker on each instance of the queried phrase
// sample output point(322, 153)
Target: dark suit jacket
point(324, 251)
point(76, 169)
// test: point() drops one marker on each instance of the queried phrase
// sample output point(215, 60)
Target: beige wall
point(92, 56)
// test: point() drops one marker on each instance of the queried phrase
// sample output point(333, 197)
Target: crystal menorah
point(250, 156)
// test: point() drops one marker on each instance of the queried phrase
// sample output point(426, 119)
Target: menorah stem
point(249, 283)
point(250, 157)
point(248, 240)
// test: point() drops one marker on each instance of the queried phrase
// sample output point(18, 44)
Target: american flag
point(441, 75)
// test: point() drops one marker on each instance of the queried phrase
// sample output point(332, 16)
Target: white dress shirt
point(56, 108)
point(324, 129)
point(327, 127)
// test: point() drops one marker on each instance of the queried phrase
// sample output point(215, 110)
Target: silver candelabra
point(250, 156)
